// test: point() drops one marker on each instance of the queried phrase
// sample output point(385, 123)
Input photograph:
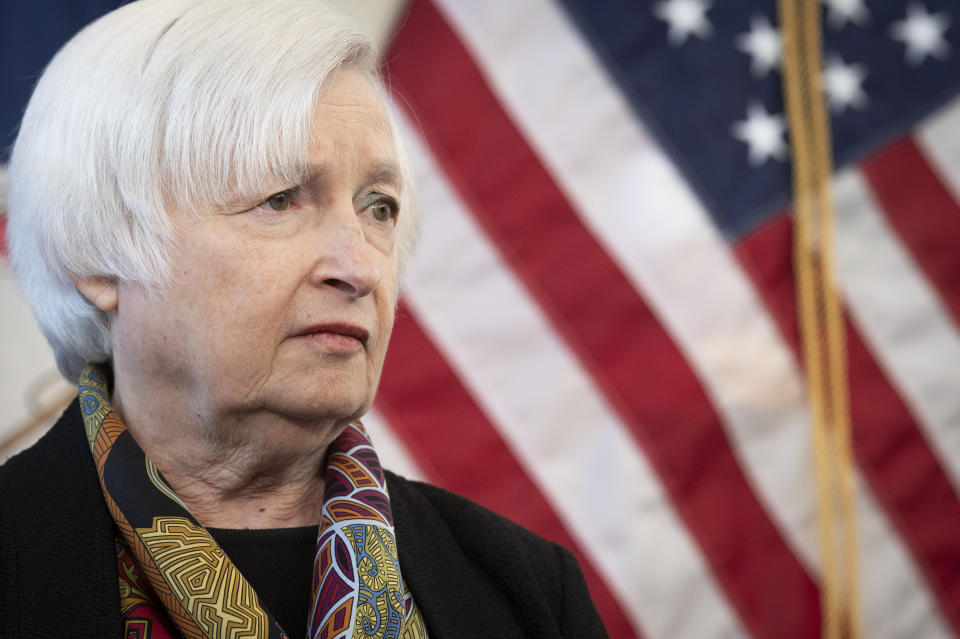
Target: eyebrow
point(380, 172)
point(384, 172)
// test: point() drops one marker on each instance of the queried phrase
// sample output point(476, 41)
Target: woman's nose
point(346, 259)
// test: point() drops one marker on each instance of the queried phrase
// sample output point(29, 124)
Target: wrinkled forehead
point(352, 104)
point(273, 140)
point(352, 140)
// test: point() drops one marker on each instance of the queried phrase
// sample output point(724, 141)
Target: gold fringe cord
point(821, 319)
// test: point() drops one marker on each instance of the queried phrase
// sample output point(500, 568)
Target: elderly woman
point(209, 209)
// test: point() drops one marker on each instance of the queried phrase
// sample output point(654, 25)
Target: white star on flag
point(842, 11)
point(842, 84)
point(684, 17)
point(763, 134)
point(922, 33)
point(763, 44)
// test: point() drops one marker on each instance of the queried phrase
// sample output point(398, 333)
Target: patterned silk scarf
point(176, 581)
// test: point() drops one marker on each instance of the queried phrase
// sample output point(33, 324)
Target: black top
point(278, 564)
point(471, 572)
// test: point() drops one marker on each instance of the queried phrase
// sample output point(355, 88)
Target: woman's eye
point(383, 209)
point(278, 201)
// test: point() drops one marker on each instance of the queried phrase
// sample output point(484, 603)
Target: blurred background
point(598, 336)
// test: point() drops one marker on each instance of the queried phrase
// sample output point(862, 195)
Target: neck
point(256, 470)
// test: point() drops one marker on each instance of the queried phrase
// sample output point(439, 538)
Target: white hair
point(161, 104)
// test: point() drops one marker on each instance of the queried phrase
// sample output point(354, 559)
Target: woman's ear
point(99, 291)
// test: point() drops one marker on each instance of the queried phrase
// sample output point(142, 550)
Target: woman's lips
point(340, 339)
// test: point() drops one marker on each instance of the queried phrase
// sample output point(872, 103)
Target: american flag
point(598, 337)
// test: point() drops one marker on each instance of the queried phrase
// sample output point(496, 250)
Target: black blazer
point(472, 572)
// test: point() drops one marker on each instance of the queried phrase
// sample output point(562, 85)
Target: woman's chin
point(323, 405)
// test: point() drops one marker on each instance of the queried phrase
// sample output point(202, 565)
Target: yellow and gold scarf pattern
point(174, 580)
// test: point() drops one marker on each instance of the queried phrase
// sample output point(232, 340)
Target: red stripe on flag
point(605, 322)
point(923, 212)
point(452, 440)
point(3, 235)
point(890, 449)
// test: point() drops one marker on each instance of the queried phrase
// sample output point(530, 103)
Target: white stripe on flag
point(900, 317)
point(577, 452)
point(939, 139)
point(630, 196)
point(391, 451)
point(896, 601)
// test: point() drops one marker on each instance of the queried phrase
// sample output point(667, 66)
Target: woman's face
point(286, 306)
